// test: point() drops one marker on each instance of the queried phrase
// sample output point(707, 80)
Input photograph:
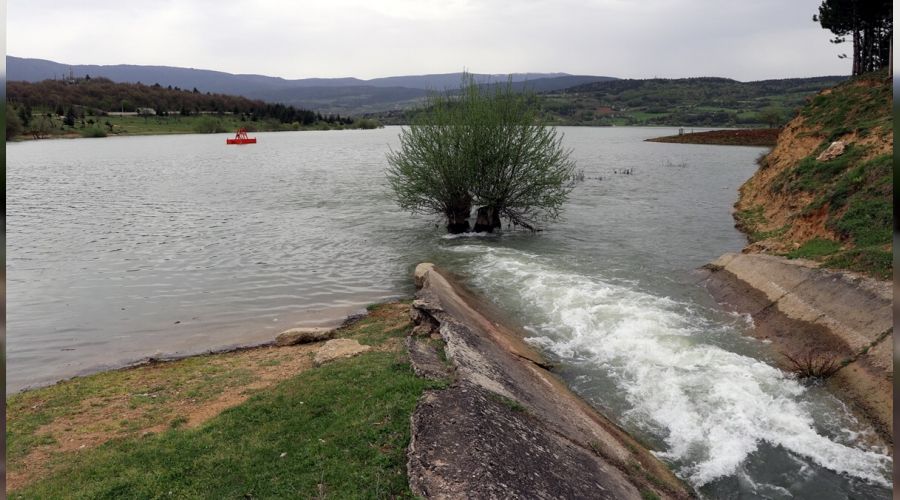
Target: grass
point(851, 194)
point(811, 175)
point(748, 220)
point(875, 262)
point(102, 126)
point(339, 430)
point(814, 249)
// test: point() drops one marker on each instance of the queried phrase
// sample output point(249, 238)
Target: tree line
point(98, 96)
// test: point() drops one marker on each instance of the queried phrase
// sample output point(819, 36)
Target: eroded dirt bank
point(836, 322)
point(506, 426)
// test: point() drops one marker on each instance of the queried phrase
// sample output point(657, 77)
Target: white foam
point(711, 407)
point(469, 235)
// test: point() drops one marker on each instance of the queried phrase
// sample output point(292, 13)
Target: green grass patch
point(873, 261)
point(147, 387)
point(811, 175)
point(339, 431)
point(649, 495)
point(510, 403)
point(866, 222)
point(748, 220)
point(765, 235)
point(814, 249)
point(93, 132)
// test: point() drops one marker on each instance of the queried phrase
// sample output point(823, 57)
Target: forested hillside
point(710, 102)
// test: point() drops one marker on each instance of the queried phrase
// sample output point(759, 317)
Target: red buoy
point(241, 138)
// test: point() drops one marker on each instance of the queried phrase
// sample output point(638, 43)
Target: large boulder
point(339, 348)
point(836, 149)
point(303, 336)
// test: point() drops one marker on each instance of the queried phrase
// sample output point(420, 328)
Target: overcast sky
point(745, 40)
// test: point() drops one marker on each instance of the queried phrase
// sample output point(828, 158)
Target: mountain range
point(328, 95)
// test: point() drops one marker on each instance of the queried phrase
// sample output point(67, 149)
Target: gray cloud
point(636, 39)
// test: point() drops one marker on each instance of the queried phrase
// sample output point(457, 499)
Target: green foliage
point(100, 95)
point(866, 222)
point(811, 175)
point(93, 132)
point(13, 123)
point(209, 125)
point(649, 495)
point(873, 261)
point(815, 248)
point(484, 146)
point(338, 431)
point(688, 102)
point(748, 220)
point(851, 108)
point(868, 23)
point(367, 124)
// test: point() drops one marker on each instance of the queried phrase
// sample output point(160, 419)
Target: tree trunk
point(458, 216)
point(488, 219)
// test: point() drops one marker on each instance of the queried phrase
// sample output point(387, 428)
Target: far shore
point(731, 137)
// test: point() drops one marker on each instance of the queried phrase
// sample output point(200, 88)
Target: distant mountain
point(340, 95)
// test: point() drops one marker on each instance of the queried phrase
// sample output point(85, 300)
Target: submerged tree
point(481, 147)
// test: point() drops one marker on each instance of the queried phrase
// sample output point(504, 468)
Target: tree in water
point(870, 25)
point(481, 147)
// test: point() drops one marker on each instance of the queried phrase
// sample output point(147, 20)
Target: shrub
point(93, 132)
point(813, 364)
point(209, 125)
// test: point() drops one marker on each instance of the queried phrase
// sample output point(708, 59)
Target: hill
point(689, 102)
point(825, 191)
point(328, 95)
point(83, 106)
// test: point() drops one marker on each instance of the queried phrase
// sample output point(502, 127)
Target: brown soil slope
point(834, 209)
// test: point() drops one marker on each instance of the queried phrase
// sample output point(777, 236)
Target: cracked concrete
point(805, 309)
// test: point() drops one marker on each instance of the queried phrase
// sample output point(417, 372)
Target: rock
point(419, 275)
point(303, 336)
point(506, 427)
point(834, 150)
point(339, 348)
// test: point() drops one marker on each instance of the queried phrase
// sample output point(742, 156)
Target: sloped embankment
point(825, 192)
point(507, 427)
point(829, 324)
point(823, 199)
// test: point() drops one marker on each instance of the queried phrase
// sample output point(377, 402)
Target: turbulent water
point(124, 248)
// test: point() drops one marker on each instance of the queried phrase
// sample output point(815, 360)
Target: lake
point(124, 248)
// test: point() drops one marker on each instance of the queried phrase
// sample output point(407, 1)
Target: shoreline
point(23, 139)
point(766, 137)
point(344, 316)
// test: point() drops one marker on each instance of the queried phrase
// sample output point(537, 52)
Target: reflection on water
point(122, 248)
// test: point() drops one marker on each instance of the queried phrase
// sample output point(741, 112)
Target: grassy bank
point(252, 424)
point(740, 137)
point(835, 208)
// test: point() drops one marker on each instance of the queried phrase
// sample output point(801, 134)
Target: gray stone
point(339, 348)
point(303, 336)
point(836, 149)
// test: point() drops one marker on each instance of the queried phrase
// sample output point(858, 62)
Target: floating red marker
point(241, 138)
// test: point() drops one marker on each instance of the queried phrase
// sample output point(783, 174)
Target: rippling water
point(122, 248)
